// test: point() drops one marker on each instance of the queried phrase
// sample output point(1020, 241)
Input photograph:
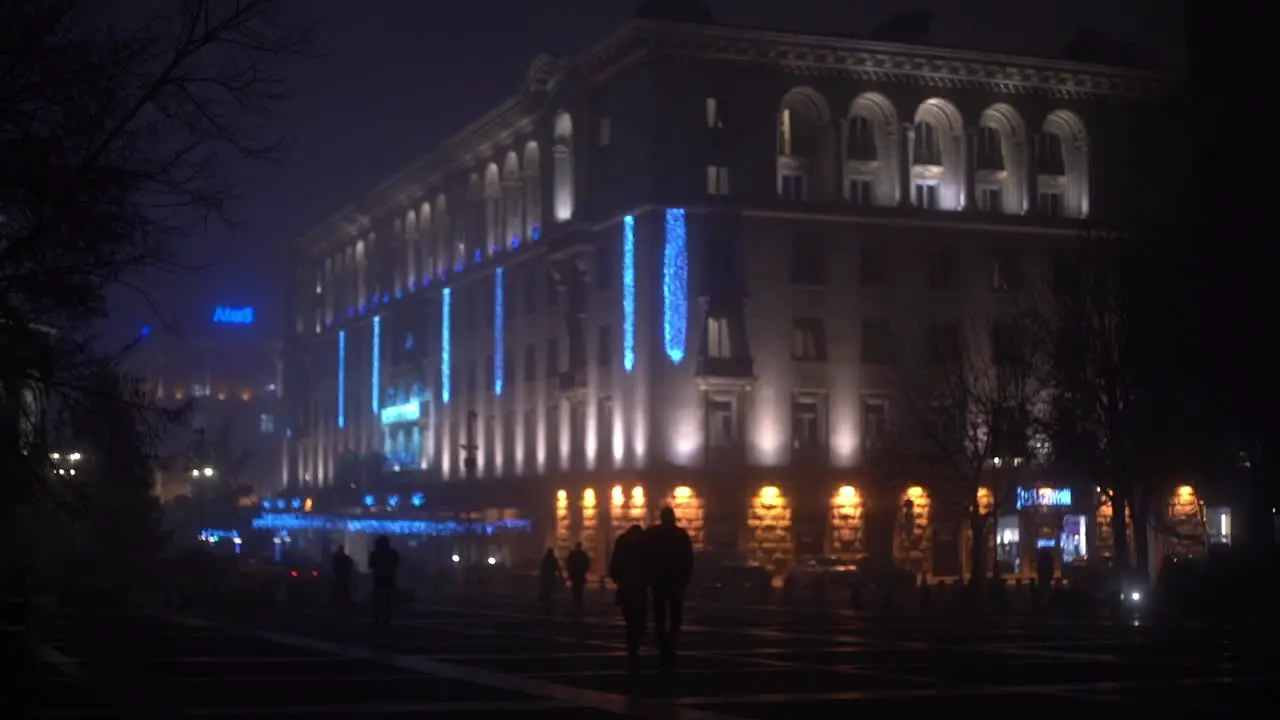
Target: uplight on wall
point(675, 285)
point(617, 497)
point(628, 293)
point(446, 346)
point(342, 378)
point(499, 331)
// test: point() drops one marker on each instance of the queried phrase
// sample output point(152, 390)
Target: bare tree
point(971, 396)
point(117, 131)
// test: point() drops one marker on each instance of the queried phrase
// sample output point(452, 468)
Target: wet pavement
point(502, 657)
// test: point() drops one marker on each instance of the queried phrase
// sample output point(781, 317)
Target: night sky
point(395, 77)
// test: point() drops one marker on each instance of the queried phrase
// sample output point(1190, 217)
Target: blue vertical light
point(498, 332)
point(446, 346)
point(628, 293)
point(342, 378)
point(376, 378)
point(675, 285)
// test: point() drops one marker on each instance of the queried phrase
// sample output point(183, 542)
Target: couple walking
point(652, 565)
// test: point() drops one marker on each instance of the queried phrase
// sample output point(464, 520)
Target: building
point(224, 367)
point(681, 268)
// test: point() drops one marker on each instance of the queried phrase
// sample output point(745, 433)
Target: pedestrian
point(549, 575)
point(669, 566)
point(384, 565)
point(343, 569)
point(576, 566)
point(627, 569)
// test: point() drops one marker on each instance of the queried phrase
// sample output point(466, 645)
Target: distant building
point(226, 370)
point(681, 268)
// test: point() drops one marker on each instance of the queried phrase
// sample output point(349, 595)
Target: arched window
point(806, 142)
point(937, 156)
point(492, 209)
point(871, 151)
point(1062, 166)
point(1000, 175)
point(512, 201)
point(532, 190)
point(562, 151)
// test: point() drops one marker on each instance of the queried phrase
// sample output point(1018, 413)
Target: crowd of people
point(649, 567)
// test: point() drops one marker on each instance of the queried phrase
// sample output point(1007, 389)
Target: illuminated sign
point(402, 413)
point(233, 316)
point(1044, 497)
point(284, 521)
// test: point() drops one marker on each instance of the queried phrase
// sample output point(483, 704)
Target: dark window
point(875, 421)
point(809, 340)
point(806, 428)
point(860, 191)
point(808, 261)
point(872, 271)
point(604, 345)
point(942, 270)
point(793, 186)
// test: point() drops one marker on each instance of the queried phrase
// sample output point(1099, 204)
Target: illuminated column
point(913, 546)
point(675, 285)
point(376, 362)
point(342, 378)
point(689, 514)
point(590, 535)
point(628, 293)
point(564, 524)
point(499, 333)
point(847, 529)
point(626, 511)
point(446, 346)
point(770, 542)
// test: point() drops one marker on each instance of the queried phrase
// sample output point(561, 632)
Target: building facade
point(683, 268)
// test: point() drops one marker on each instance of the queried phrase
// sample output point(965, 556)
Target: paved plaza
point(480, 659)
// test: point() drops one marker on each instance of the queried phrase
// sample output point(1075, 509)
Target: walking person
point(576, 566)
point(384, 565)
point(549, 575)
point(343, 569)
point(669, 565)
point(627, 570)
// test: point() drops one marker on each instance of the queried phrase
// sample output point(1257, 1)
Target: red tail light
point(315, 573)
point(293, 573)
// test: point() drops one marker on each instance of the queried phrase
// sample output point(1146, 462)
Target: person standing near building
point(669, 565)
point(576, 566)
point(384, 565)
point(343, 569)
point(627, 570)
point(549, 575)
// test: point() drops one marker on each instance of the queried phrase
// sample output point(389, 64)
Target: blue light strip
point(446, 346)
point(377, 361)
point(342, 378)
point(675, 285)
point(385, 526)
point(498, 332)
point(628, 293)
point(403, 413)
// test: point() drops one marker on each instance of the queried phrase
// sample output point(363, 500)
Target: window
point(1004, 274)
point(717, 180)
point(553, 357)
point(990, 155)
point(943, 343)
point(266, 423)
point(926, 195)
point(1050, 159)
point(862, 139)
point(875, 421)
point(715, 114)
point(808, 261)
point(784, 132)
point(806, 430)
point(942, 270)
point(722, 425)
point(530, 362)
point(1050, 203)
point(604, 267)
point(719, 345)
point(604, 345)
point(604, 427)
point(877, 343)
point(808, 340)
point(928, 147)
point(1217, 521)
point(792, 186)
point(530, 292)
point(990, 200)
point(606, 132)
point(872, 268)
point(860, 191)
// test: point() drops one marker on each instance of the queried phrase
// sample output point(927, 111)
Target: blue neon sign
point(1043, 497)
point(402, 413)
point(224, 315)
point(372, 526)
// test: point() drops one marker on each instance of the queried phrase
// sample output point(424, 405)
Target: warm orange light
point(178, 394)
point(847, 495)
point(222, 396)
point(617, 496)
point(769, 495)
point(245, 395)
point(562, 496)
point(637, 496)
point(1186, 495)
point(915, 492)
point(683, 492)
point(588, 498)
point(306, 505)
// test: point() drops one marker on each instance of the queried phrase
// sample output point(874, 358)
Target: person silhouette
point(384, 565)
point(576, 566)
point(627, 570)
point(343, 569)
point(549, 575)
point(669, 566)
